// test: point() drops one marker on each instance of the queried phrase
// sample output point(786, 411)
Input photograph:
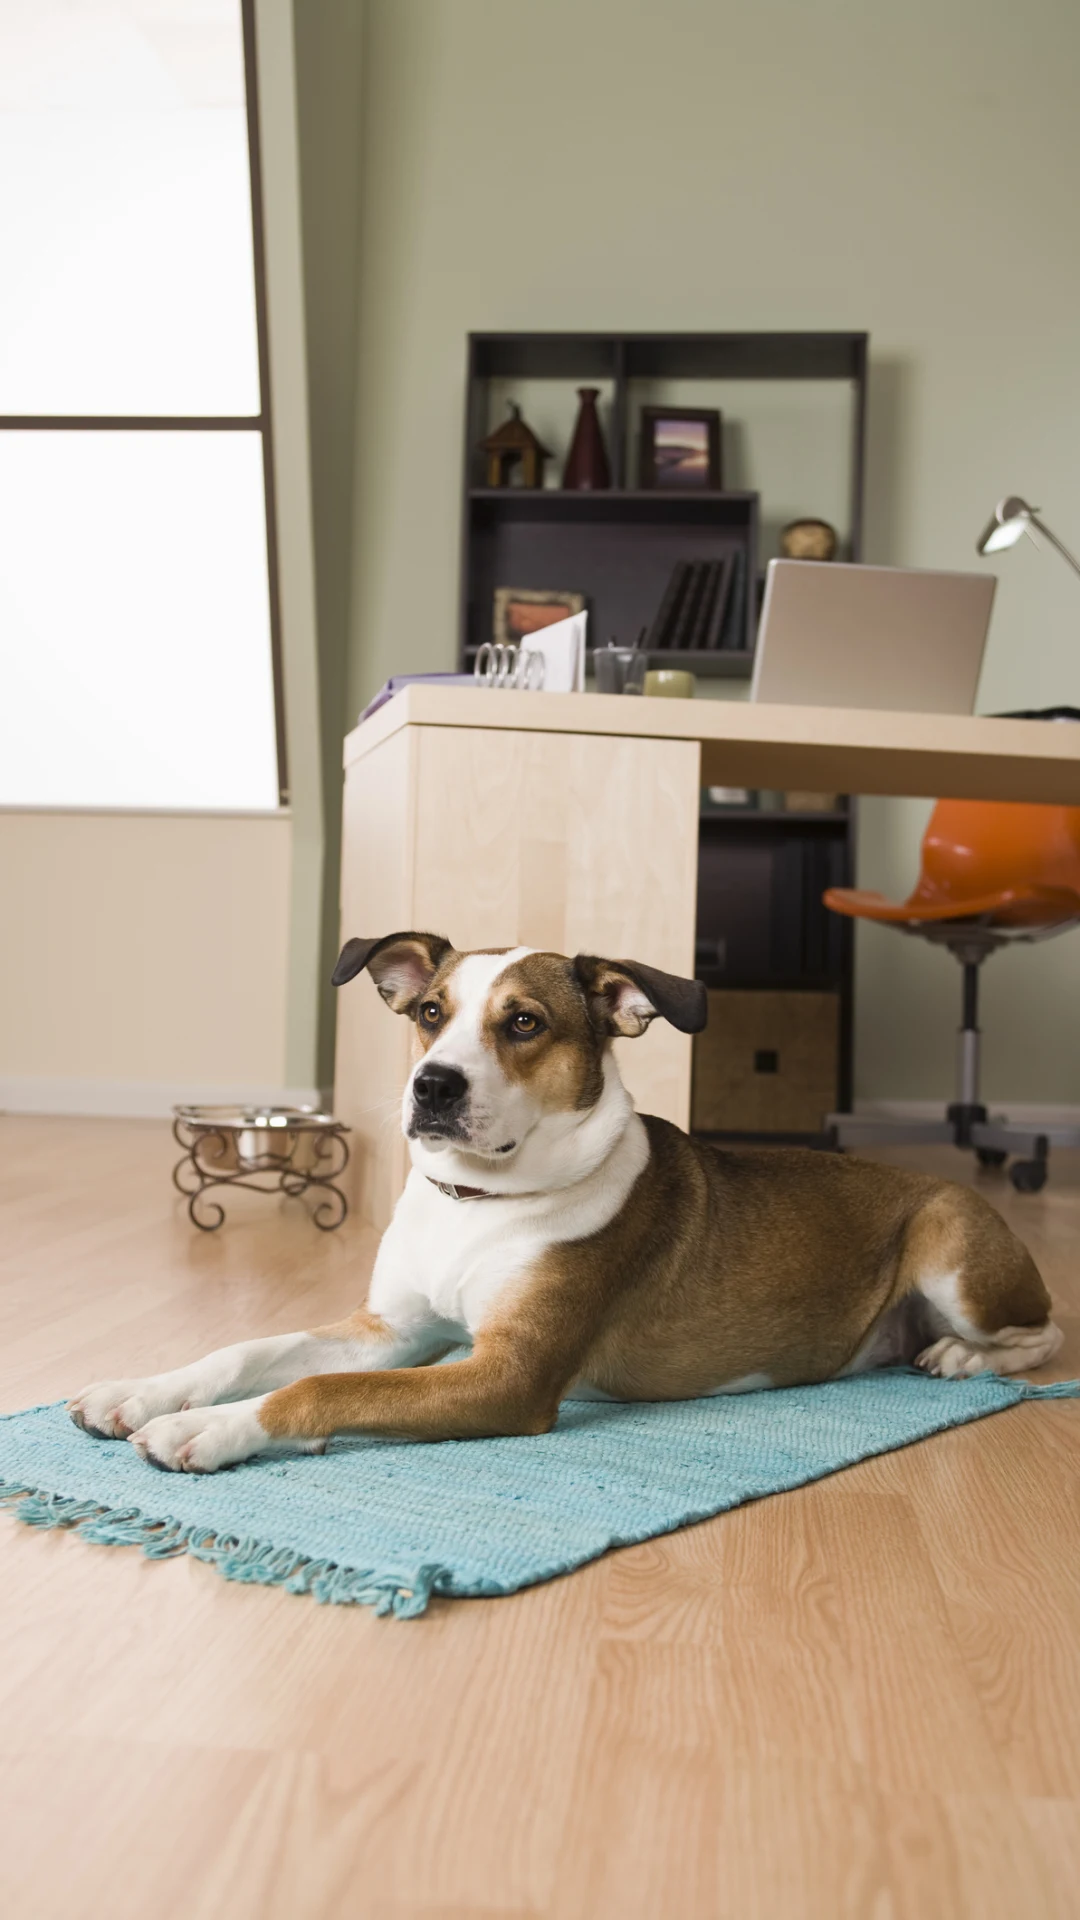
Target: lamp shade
point(1012, 517)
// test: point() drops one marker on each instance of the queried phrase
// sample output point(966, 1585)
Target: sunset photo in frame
point(520, 611)
point(680, 449)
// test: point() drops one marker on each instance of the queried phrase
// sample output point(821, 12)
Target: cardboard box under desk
point(766, 1063)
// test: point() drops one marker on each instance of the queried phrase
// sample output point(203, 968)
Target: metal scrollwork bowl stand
point(289, 1150)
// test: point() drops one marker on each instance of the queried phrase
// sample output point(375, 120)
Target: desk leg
point(575, 843)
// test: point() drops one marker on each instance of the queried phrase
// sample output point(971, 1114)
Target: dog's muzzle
point(439, 1094)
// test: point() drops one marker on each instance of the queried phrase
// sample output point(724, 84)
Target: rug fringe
point(250, 1561)
point(1055, 1390)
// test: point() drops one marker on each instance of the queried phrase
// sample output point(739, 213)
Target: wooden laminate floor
point(859, 1699)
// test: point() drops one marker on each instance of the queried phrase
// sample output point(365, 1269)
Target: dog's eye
point(526, 1024)
point(430, 1013)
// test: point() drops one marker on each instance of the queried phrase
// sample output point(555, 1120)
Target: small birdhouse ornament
point(510, 444)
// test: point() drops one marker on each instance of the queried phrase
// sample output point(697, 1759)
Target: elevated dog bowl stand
point(289, 1150)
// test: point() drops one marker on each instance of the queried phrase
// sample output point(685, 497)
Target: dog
point(584, 1249)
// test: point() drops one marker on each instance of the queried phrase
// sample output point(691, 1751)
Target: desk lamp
point(1012, 519)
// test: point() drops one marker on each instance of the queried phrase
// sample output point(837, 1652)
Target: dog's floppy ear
point(401, 965)
point(624, 996)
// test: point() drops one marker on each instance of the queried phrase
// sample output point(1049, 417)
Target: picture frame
point(521, 611)
point(680, 450)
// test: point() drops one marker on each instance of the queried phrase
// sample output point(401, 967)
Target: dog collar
point(463, 1193)
point(453, 1192)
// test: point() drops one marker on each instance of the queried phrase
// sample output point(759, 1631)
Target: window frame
point(260, 423)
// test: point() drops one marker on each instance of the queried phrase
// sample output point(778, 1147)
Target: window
point(138, 642)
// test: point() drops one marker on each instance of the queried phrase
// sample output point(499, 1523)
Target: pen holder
point(619, 669)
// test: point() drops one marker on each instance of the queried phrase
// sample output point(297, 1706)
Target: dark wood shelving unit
point(764, 933)
point(764, 870)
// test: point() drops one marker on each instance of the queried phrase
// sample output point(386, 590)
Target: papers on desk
point(562, 649)
point(399, 680)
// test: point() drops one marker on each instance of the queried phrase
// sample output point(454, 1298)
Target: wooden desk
point(570, 821)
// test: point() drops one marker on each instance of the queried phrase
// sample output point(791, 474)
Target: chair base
point(966, 1123)
point(992, 1138)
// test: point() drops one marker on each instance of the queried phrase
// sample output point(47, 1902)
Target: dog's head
point(512, 1040)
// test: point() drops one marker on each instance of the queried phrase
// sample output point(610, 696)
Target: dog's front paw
point(203, 1439)
point(115, 1409)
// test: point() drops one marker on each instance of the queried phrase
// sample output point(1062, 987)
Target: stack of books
point(702, 608)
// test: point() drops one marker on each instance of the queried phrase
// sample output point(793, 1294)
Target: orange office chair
point(991, 874)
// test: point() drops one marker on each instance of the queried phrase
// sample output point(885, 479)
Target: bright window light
point(136, 645)
point(125, 209)
point(134, 621)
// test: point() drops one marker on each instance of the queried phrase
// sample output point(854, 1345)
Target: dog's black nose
point(437, 1089)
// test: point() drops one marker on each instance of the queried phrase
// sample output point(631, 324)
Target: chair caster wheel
point(1028, 1176)
point(991, 1156)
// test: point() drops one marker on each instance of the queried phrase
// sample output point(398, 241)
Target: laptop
point(837, 635)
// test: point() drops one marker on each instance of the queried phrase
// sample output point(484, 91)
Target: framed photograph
point(680, 448)
point(520, 611)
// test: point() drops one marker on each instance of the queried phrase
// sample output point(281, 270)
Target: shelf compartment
point(616, 548)
point(744, 356)
point(760, 915)
point(577, 357)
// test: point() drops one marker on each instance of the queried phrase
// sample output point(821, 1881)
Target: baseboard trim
point(140, 1099)
point(1028, 1113)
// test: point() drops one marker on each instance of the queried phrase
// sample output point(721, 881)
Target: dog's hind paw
point(954, 1359)
point(1009, 1350)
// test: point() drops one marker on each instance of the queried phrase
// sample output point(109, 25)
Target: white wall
point(610, 163)
point(143, 960)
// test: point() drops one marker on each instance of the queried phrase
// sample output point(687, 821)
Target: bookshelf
point(619, 546)
point(762, 930)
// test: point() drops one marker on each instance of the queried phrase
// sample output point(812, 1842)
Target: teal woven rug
point(387, 1524)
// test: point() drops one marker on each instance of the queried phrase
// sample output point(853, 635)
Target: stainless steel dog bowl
point(286, 1150)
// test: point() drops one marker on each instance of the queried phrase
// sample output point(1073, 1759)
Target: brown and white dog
point(585, 1249)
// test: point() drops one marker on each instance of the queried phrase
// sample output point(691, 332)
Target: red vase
point(586, 466)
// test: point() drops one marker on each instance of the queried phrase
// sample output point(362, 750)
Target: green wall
point(608, 163)
point(328, 37)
